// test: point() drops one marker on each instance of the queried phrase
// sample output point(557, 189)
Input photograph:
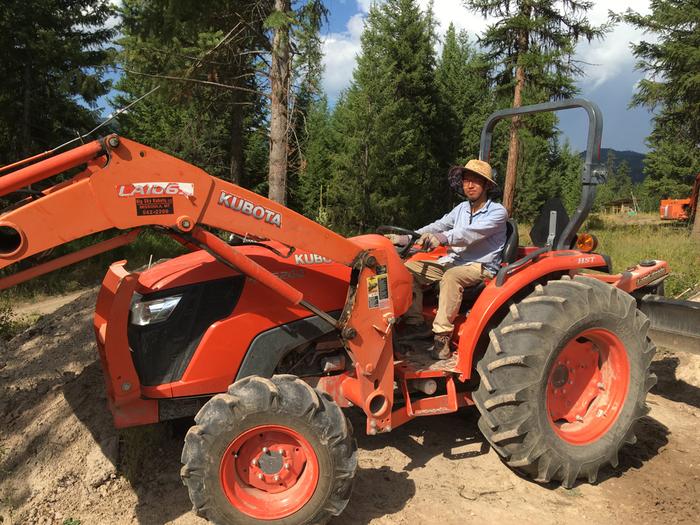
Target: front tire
point(271, 451)
point(564, 379)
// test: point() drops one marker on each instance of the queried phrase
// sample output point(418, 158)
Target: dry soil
point(61, 461)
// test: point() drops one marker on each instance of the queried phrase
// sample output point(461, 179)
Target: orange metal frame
point(127, 185)
point(681, 209)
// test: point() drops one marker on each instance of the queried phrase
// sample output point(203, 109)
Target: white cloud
point(607, 58)
point(604, 60)
point(340, 51)
point(453, 11)
point(364, 5)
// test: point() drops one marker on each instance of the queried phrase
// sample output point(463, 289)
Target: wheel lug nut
point(260, 476)
point(287, 466)
point(254, 462)
point(579, 418)
point(276, 478)
point(265, 450)
point(601, 386)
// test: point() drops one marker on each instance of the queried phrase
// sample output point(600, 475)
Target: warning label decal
point(378, 291)
point(154, 206)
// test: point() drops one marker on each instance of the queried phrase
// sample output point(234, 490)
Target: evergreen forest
point(240, 94)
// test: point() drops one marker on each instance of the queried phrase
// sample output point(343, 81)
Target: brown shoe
point(441, 347)
point(410, 332)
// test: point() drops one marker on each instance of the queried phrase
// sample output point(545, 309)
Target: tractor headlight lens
point(144, 313)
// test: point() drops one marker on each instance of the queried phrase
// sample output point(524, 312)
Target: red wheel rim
point(587, 386)
point(269, 472)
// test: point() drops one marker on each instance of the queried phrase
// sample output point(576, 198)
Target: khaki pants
point(453, 280)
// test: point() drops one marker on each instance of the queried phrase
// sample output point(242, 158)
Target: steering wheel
point(403, 253)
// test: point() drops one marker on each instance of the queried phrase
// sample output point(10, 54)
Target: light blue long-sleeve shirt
point(473, 237)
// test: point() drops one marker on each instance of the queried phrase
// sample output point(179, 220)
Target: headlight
point(144, 313)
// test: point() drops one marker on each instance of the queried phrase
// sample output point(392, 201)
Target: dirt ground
point(61, 462)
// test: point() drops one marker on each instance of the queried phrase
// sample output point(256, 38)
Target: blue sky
point(609, 78)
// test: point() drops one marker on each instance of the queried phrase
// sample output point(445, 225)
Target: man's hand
point(430, 241)
point(398, 240)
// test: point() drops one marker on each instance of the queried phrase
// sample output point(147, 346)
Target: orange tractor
point(265, 341)
point(681, 209)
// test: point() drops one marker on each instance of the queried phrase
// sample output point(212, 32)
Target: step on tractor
point(265, 333)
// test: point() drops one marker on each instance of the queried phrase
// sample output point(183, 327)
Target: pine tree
point(408, 178)
point(229, 102)
point(540, 176)
point(671, 64)
point(315, 172)
point(279, 103)
point(307, 101)
point(386, 170)
point(532, 43)
point(208, 103)
point(623, 181)
point(466, 100)
point(55, 53)
point(671, 87)
point(570, 166)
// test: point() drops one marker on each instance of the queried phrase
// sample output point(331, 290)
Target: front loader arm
point(127, 185)
point(131, 185)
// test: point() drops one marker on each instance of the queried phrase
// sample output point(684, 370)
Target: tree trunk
point(695, 233)
point(279, 83)
point(236, 159)
point(26, 148)
point(513, 144)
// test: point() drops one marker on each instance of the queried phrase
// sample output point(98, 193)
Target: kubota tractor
point(266, 341)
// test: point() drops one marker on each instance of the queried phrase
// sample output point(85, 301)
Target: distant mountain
point(633, 158)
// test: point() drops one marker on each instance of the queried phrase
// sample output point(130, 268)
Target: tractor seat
point(508, 255)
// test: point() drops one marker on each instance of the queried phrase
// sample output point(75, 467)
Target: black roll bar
point(594, 172)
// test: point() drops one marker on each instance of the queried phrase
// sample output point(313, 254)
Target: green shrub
point(10, 325)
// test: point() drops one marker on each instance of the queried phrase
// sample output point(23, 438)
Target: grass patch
point(630, 239)
point(629, 242)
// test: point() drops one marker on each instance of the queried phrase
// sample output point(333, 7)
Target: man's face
point(473, 186)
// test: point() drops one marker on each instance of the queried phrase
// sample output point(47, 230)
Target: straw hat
point(482, 169)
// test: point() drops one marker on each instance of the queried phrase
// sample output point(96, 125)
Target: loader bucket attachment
point(675, 324)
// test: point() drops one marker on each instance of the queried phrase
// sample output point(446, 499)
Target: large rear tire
point(564, 379)
point(271, 451)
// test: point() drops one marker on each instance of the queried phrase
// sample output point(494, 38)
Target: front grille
point(161, 352)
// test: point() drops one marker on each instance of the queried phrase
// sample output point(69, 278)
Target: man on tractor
point(475, 233)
